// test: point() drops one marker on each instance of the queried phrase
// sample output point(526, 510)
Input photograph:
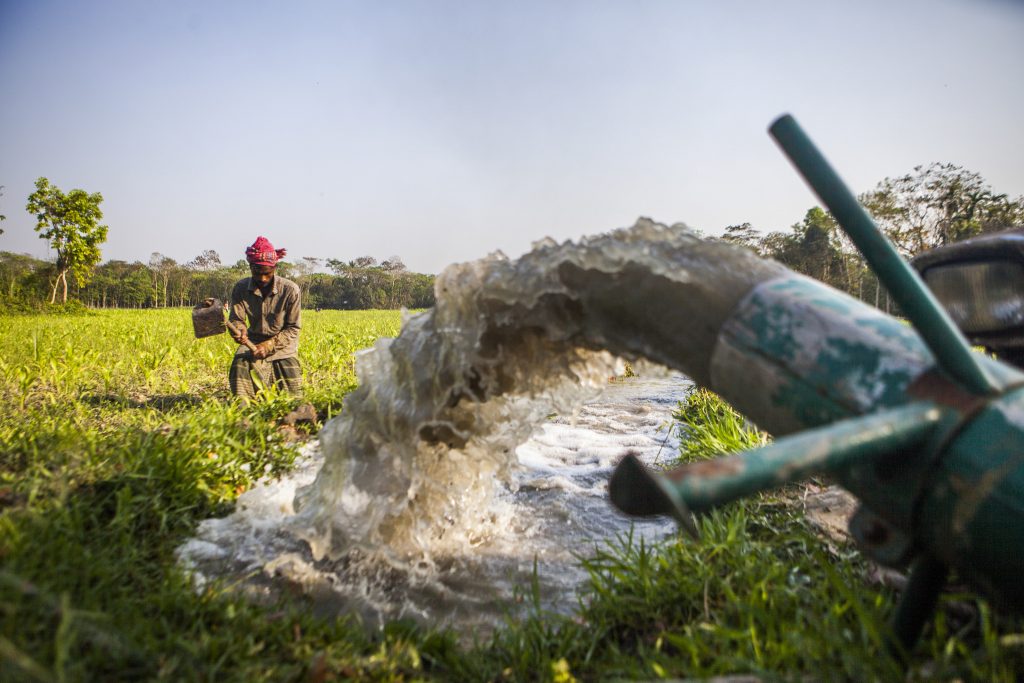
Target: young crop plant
point(118, 436)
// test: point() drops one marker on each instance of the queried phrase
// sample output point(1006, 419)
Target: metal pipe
point(703, 485)
point(927, 577)
point(940, 334)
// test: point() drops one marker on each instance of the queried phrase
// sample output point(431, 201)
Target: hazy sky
point(442, 131)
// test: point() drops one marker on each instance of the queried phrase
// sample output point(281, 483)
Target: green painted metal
point(826, 449)
point(971, 514)
point(914, 298)
point(927, 577)
point(927, 434)
point(953, 484)
point(815, 355)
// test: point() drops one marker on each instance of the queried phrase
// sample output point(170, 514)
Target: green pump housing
point(925, 432)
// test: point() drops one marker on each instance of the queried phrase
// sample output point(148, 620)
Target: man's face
point(262, 275)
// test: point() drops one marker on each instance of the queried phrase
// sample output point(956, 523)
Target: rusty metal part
point(936, 387)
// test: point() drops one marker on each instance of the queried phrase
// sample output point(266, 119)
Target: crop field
point(117, 436)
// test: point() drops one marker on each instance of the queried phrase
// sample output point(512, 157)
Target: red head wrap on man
point(262, 253)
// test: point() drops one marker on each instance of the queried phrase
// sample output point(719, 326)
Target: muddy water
point(424, 499)
point(553, 509)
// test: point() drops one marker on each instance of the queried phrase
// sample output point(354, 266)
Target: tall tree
point(2, 217)
point(743, 234)
point(937, 205)
point(208, 260)
point(302, 271)
point(337, 266)
point(363, 262)
point(71, 223)
point(308, 265)
point(393, 264)
point(161, 267)
point(812, 247)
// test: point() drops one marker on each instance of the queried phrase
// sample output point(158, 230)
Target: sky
point(442, 131)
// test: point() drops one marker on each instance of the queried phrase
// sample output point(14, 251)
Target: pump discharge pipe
point(926, 433)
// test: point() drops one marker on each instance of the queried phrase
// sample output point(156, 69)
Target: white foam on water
point(429, 499)
point(554, 509)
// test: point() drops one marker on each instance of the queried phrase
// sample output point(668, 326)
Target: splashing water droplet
point(412, 462)
point(418, 466)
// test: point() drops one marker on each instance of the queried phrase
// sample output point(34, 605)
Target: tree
point(743, 234)
point(937, 205)
point(363, 262)
point(2, 217)
point(180, 284)
point(206, 261)
point(71, 223)
point(14, 272)
point(161, 267)
point(303, 271)
point(337, 266)
point(393, 264)
point(812, 247)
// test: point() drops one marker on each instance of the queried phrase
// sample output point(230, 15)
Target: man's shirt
point(275, 315)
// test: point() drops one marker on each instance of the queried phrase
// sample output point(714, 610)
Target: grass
point(761, 593)
point(117, 438)
point(710, 427)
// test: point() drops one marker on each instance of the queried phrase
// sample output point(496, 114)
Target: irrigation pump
point(928, 434)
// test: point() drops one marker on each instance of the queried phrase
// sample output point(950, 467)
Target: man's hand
point(237, 332)
point(263, 349)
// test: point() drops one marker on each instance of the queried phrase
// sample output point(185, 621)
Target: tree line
point(70, 222)
point(931, 206)
point(27, 282)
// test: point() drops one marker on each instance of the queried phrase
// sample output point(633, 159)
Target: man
point(272, 306)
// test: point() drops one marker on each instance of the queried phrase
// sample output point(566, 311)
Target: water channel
point(475, 452)
point(554, 508)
